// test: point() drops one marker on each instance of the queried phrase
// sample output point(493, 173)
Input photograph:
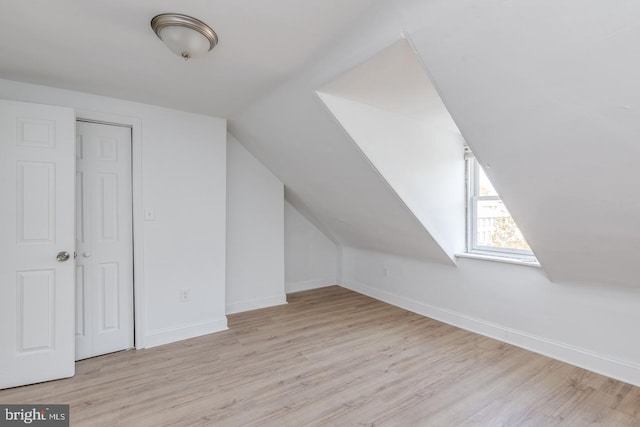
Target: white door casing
point(37, 201)
point(104, 240)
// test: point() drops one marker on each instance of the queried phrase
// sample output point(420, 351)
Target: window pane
point(485, 188)
point(496, 228)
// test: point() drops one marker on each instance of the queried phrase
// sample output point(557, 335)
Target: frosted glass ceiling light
point(185, 36)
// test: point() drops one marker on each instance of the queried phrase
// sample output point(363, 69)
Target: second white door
point(104, 240)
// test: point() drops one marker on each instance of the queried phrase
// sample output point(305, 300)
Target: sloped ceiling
point(393, 113)
point(546, 92)
point(547, 95)
point(326, 175)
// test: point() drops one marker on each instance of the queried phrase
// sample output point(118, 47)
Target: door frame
point(139, 309)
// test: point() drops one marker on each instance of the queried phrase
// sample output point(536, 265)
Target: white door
point(104, 240)
point(37, 200)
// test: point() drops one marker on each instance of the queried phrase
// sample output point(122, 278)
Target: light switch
point(149, 214)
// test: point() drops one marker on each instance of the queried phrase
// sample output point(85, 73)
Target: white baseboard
point(307, 285)
point(254, 304)
point(623, 371)
point(183, 332)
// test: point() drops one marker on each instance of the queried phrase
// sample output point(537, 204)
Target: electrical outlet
point(149, 214)
point(185, 295)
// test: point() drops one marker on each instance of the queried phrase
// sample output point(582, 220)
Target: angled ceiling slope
point(358, 199)
point(545, 92)
point(393, 113)
point(326, 174)
point(548, 94)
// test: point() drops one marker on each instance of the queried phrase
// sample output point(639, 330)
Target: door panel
point(36, 215)
point(104, 240)
point(35, 310)
point(109, 301)
point(108, 207)
point(36, 222)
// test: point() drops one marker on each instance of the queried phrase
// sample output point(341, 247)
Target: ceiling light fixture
point(185, 36)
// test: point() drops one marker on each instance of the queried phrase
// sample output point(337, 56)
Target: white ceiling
point(393, 113)
point(394, 80)
point(325, 172)
point(108, 47)
point(546, 91)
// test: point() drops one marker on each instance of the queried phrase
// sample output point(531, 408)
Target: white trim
point(138, 237)
point(256, 303)
point(472, 179)
point(186, 331)
point(306, 285)
point(518, 261)
point(604, 365)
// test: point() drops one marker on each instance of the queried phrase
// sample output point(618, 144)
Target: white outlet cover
point(149, 214)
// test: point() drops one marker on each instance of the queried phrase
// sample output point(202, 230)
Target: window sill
point(507, 260)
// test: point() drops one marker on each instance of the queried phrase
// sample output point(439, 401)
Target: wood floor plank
point(334, 357)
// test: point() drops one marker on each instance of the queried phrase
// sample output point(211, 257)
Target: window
point(490, 228)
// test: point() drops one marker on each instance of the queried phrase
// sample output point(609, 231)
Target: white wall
point(181, 166)
point(559, 129)
point(423, 164)
point(311, 258)
point(590, 326)
point(292, 132)
point(393, 112)
point(255, 233)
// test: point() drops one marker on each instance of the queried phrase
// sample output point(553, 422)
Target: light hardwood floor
point(334, 357)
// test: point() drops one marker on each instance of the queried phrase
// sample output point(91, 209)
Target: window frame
point(472, 178)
